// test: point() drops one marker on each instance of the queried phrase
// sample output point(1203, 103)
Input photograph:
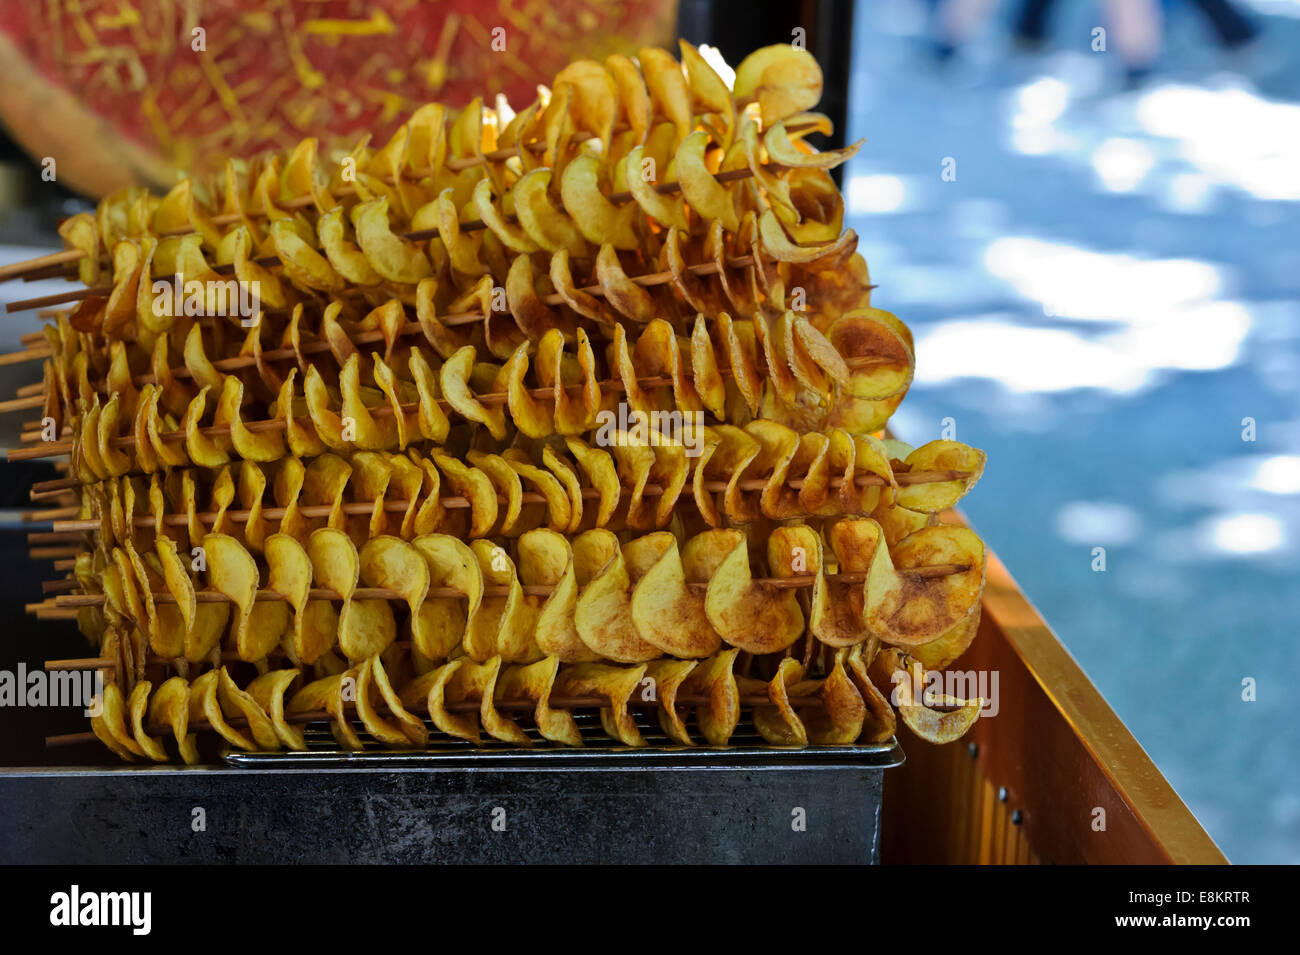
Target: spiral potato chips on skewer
point(512, 416)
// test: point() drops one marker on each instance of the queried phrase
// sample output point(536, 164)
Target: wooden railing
point(1054, 777)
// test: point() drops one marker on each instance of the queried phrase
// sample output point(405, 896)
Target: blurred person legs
point(1229, 23)
point(1134, 28)
point(956, 23)
point(1031, 23)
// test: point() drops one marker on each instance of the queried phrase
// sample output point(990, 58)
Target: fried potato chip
point(932, 497)
point(599, 220)
point(908, 610)
point(664, 610)
point(667, 677)
point(705, 195)
point(233, 572)
point(110, 725)
point(715, 678)
point(841, 718)
point(616, 685)
point(170, 705)
point(454, 376)
point(784, 80)
point(268, 692)
point(365, 627)
point(757, 618)
point(603, 612)
point(327, 693)
point(303, 266)
point(393, 257)
point(546, 560)
point(669, 94)
point(204, 706)
point(669, 210)
point(503, 626)
point(546, 225)
point(933, 725)
point(236, 703)
point(442, 622)
point(137, 706)
point(880, 722)
point(779, 724)
point(536, 682)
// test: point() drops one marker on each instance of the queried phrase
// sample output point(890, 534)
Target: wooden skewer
point(68, 256)
point(418, 235)
point(367, 508)
point(21, 404)
point(54, 448)
point(752, 700)
point(382, 593)
point(54, 258)
point(237, 362)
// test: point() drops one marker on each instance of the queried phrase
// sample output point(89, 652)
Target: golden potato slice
point(713, 201)
point(237, 703)
point(593, 100)
point(365, 627)
point(503, 626)
point(616, 685)
point(348, 260)
point(666, 613)
point(779, 724)
point(836, 616)
point(505, 485)
point(454, 376)
point(546, 225)
point(137, 706)
point(512, 236)
point(782, 78)
point(393, 257)
point(908, 610)
point(233, 572)
point(841, 718)
point(546, 560)
point(534, 417)
point(880, 721)
point(303, 266)
point(757, 618)
point(110, 724)
point(603, 613)
point(402, 729)
point(938, 496)
point(170, 705)
point(475, 486)
point(782, 248)
point(602, 474)
point(668, 677)
point(933, 725)
point(599, 220)
point(327, 694)
point(670, 209)
point(783, 150)
point(536, 682)
point(268, 692)
point(393, 563)
point(442, 623)
point(203, 705)
point(715, 678)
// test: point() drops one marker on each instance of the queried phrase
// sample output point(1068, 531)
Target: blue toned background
point(1107, 288)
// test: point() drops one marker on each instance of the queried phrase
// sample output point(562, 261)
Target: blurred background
point(1088, 213)
point(1103, 291)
